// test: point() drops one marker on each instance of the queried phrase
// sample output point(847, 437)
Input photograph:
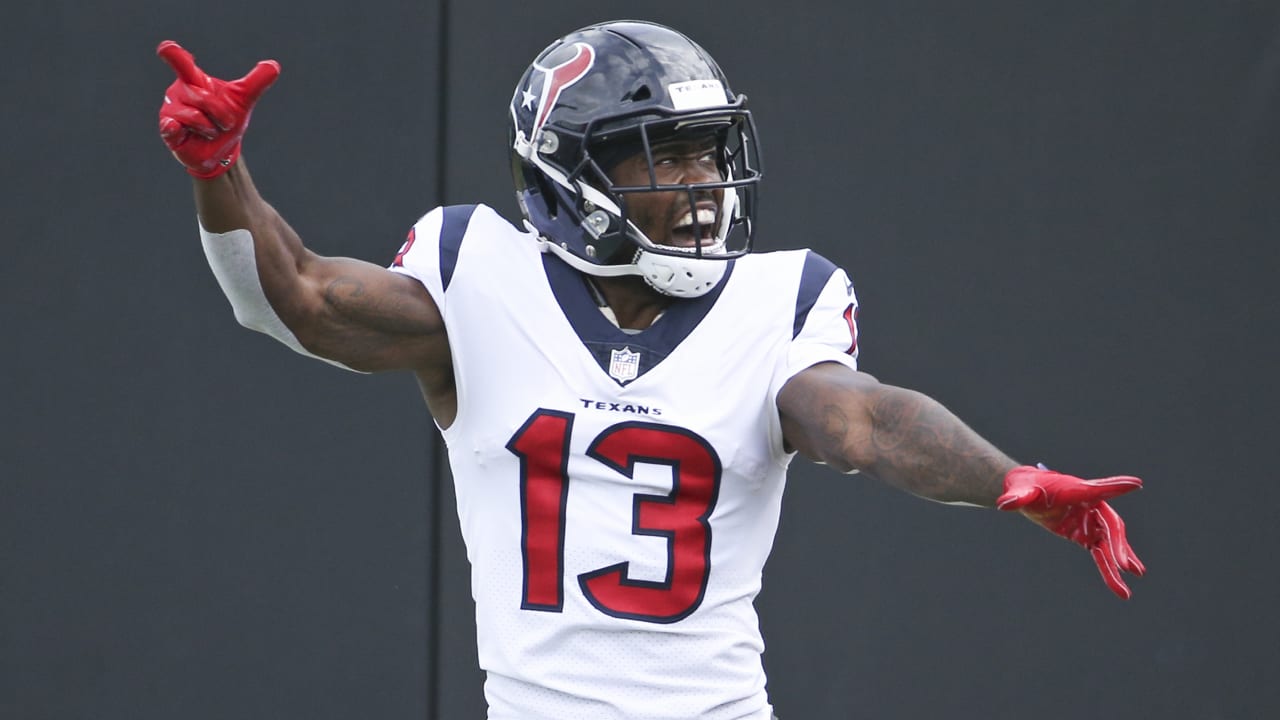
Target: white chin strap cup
point(682, 277)
point(677, 276)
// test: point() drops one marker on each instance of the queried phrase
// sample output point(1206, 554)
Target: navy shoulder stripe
point(817, 271)
point(452, 228)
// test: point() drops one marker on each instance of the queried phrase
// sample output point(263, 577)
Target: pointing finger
point(258, 80)
point(1094, 491)
point(1119, 485)
point(182, 63)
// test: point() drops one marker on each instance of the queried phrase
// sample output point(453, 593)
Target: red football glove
point(1076, 510)
point(203, 118)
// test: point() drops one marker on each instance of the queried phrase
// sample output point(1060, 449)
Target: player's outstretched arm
point(850, 421)
point(344, 310)
point(349, 311)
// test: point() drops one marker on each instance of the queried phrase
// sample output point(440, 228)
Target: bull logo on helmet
point(554, 81)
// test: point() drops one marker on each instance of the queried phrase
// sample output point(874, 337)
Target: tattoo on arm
point(835, 424)
point(371, 325)
point(344, 294)
point(388, 312)
point(917, 445)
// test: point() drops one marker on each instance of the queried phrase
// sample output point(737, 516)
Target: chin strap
point(578, 263)
point(681, 277)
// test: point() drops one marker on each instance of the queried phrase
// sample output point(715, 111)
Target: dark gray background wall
point(1062, 223)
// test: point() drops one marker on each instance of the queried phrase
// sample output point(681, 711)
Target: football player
point(620, 382)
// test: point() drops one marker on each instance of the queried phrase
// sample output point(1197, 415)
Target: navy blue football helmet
point(611, 91)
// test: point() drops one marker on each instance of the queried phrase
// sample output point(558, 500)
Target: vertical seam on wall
point(436, 462)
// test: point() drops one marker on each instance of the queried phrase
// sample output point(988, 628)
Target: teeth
point(705, 217)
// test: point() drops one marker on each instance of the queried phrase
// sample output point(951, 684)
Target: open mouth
point(695, 228)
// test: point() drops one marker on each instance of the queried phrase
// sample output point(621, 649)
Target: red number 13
point(542, 444)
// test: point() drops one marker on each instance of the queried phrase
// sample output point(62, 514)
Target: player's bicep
point(370, 318)
point(825, 411)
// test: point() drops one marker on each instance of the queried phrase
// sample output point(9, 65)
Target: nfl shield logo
point(624, 365)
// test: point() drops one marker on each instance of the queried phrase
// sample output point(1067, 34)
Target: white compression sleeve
point(231, 258)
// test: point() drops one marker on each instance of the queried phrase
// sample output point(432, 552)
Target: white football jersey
point(618, 492)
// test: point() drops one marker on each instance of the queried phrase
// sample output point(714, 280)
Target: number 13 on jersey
point(681, 516)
